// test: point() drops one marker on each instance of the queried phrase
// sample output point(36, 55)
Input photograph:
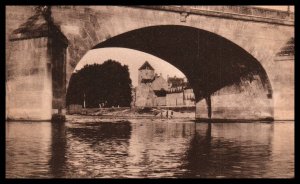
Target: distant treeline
point(108, 83)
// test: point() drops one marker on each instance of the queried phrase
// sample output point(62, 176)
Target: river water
point(145, 148)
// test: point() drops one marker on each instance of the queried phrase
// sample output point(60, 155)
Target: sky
point(132, 58)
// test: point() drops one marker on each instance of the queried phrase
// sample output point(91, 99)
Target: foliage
point(107, 83)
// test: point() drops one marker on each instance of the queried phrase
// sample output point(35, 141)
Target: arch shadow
point(210, 62)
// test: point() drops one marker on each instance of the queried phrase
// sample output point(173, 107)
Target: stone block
point(201, 110)
point(29, 94)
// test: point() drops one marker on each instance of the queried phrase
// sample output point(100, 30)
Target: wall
point(284, 90)
point(160, 101)
point(189, 97)
point(58, 55)
point(29, 80)
point(17, 15)
point(249, 100)
point(144, 96)
point(174, 99)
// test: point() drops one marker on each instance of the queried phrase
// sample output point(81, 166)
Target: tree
point(107, 83)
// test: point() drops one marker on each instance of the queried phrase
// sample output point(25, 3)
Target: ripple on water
point(85, 148)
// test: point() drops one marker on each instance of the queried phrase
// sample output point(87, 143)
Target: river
point(145, 148)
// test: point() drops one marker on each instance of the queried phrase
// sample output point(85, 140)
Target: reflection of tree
point(108, 83)
point(211, 157)
point(58, 150)
point(98, 149)
point(95, 132)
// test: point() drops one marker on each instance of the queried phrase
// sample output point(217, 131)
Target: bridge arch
point(211, 62)
point(86, 26)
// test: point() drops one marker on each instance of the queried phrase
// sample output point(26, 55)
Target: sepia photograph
point(173, 91)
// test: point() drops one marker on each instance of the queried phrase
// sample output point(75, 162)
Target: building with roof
point(153, 90)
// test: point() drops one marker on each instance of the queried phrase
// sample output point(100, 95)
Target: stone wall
point(175, 99)
point(36, 69)
point(284, 90)
point(58, 55)
point(160, 101)
point(249, 100)
point(16, 15)
point(189, 97)
point(144, 96)
point(29, 80)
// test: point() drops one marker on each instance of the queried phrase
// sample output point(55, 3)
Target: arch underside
point(209, 61)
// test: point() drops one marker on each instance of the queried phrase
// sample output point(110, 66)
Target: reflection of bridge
point(229, 54)
point(165, 148)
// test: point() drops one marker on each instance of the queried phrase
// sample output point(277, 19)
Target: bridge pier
point(246, 102)
point(201, 110)
point(35, 84)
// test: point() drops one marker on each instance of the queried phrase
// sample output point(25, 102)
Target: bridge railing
point(234, 12)
point(248, 10)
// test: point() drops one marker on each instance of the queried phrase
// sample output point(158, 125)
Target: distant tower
point(146, 73)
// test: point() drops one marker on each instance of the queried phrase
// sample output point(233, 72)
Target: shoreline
point(126, 117)
point(137, 113)
point(203, 120)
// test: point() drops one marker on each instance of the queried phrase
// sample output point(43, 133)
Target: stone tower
point(146, 73)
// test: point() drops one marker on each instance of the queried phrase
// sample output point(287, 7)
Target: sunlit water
point(145, 148)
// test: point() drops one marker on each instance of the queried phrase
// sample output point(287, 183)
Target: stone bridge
point(238, 59)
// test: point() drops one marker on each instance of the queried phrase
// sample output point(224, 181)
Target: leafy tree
point(107, 83)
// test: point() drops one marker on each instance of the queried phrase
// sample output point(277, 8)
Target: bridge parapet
point(249, 13)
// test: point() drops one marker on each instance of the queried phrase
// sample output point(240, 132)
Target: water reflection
point(28, 149)
point(149, 148)
point(229, 150)
point(198, 154)
point(97, 149)
point(58, 159)
point(157, 149)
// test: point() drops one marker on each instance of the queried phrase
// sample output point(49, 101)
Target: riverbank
point(139, 113)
